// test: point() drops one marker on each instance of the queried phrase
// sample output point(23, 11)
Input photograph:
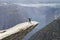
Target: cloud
point(36, 5)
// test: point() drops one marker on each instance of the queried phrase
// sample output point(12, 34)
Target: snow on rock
point(17, 28)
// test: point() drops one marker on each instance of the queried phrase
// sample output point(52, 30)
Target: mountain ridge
point(49, 32)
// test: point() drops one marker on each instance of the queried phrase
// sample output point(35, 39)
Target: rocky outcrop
point(50, 32)
point(18, 32)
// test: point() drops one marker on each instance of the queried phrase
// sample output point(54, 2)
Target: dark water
point(12, 14)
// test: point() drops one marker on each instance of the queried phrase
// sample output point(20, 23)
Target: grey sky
point(32, 1)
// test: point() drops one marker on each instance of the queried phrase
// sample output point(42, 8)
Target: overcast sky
point(32, 1)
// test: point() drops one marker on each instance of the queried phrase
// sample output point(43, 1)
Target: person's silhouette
point(29, 19)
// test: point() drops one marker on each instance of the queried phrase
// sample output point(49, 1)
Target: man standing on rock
point(29, 20)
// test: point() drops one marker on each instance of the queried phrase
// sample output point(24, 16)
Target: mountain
point(49, 32)
point(12, 14)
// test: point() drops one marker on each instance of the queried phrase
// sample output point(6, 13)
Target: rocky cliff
point(50, 32)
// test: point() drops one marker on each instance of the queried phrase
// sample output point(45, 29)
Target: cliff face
point(50, 32)
point(18, 31)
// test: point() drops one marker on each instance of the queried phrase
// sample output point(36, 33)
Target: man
point(29, 19)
